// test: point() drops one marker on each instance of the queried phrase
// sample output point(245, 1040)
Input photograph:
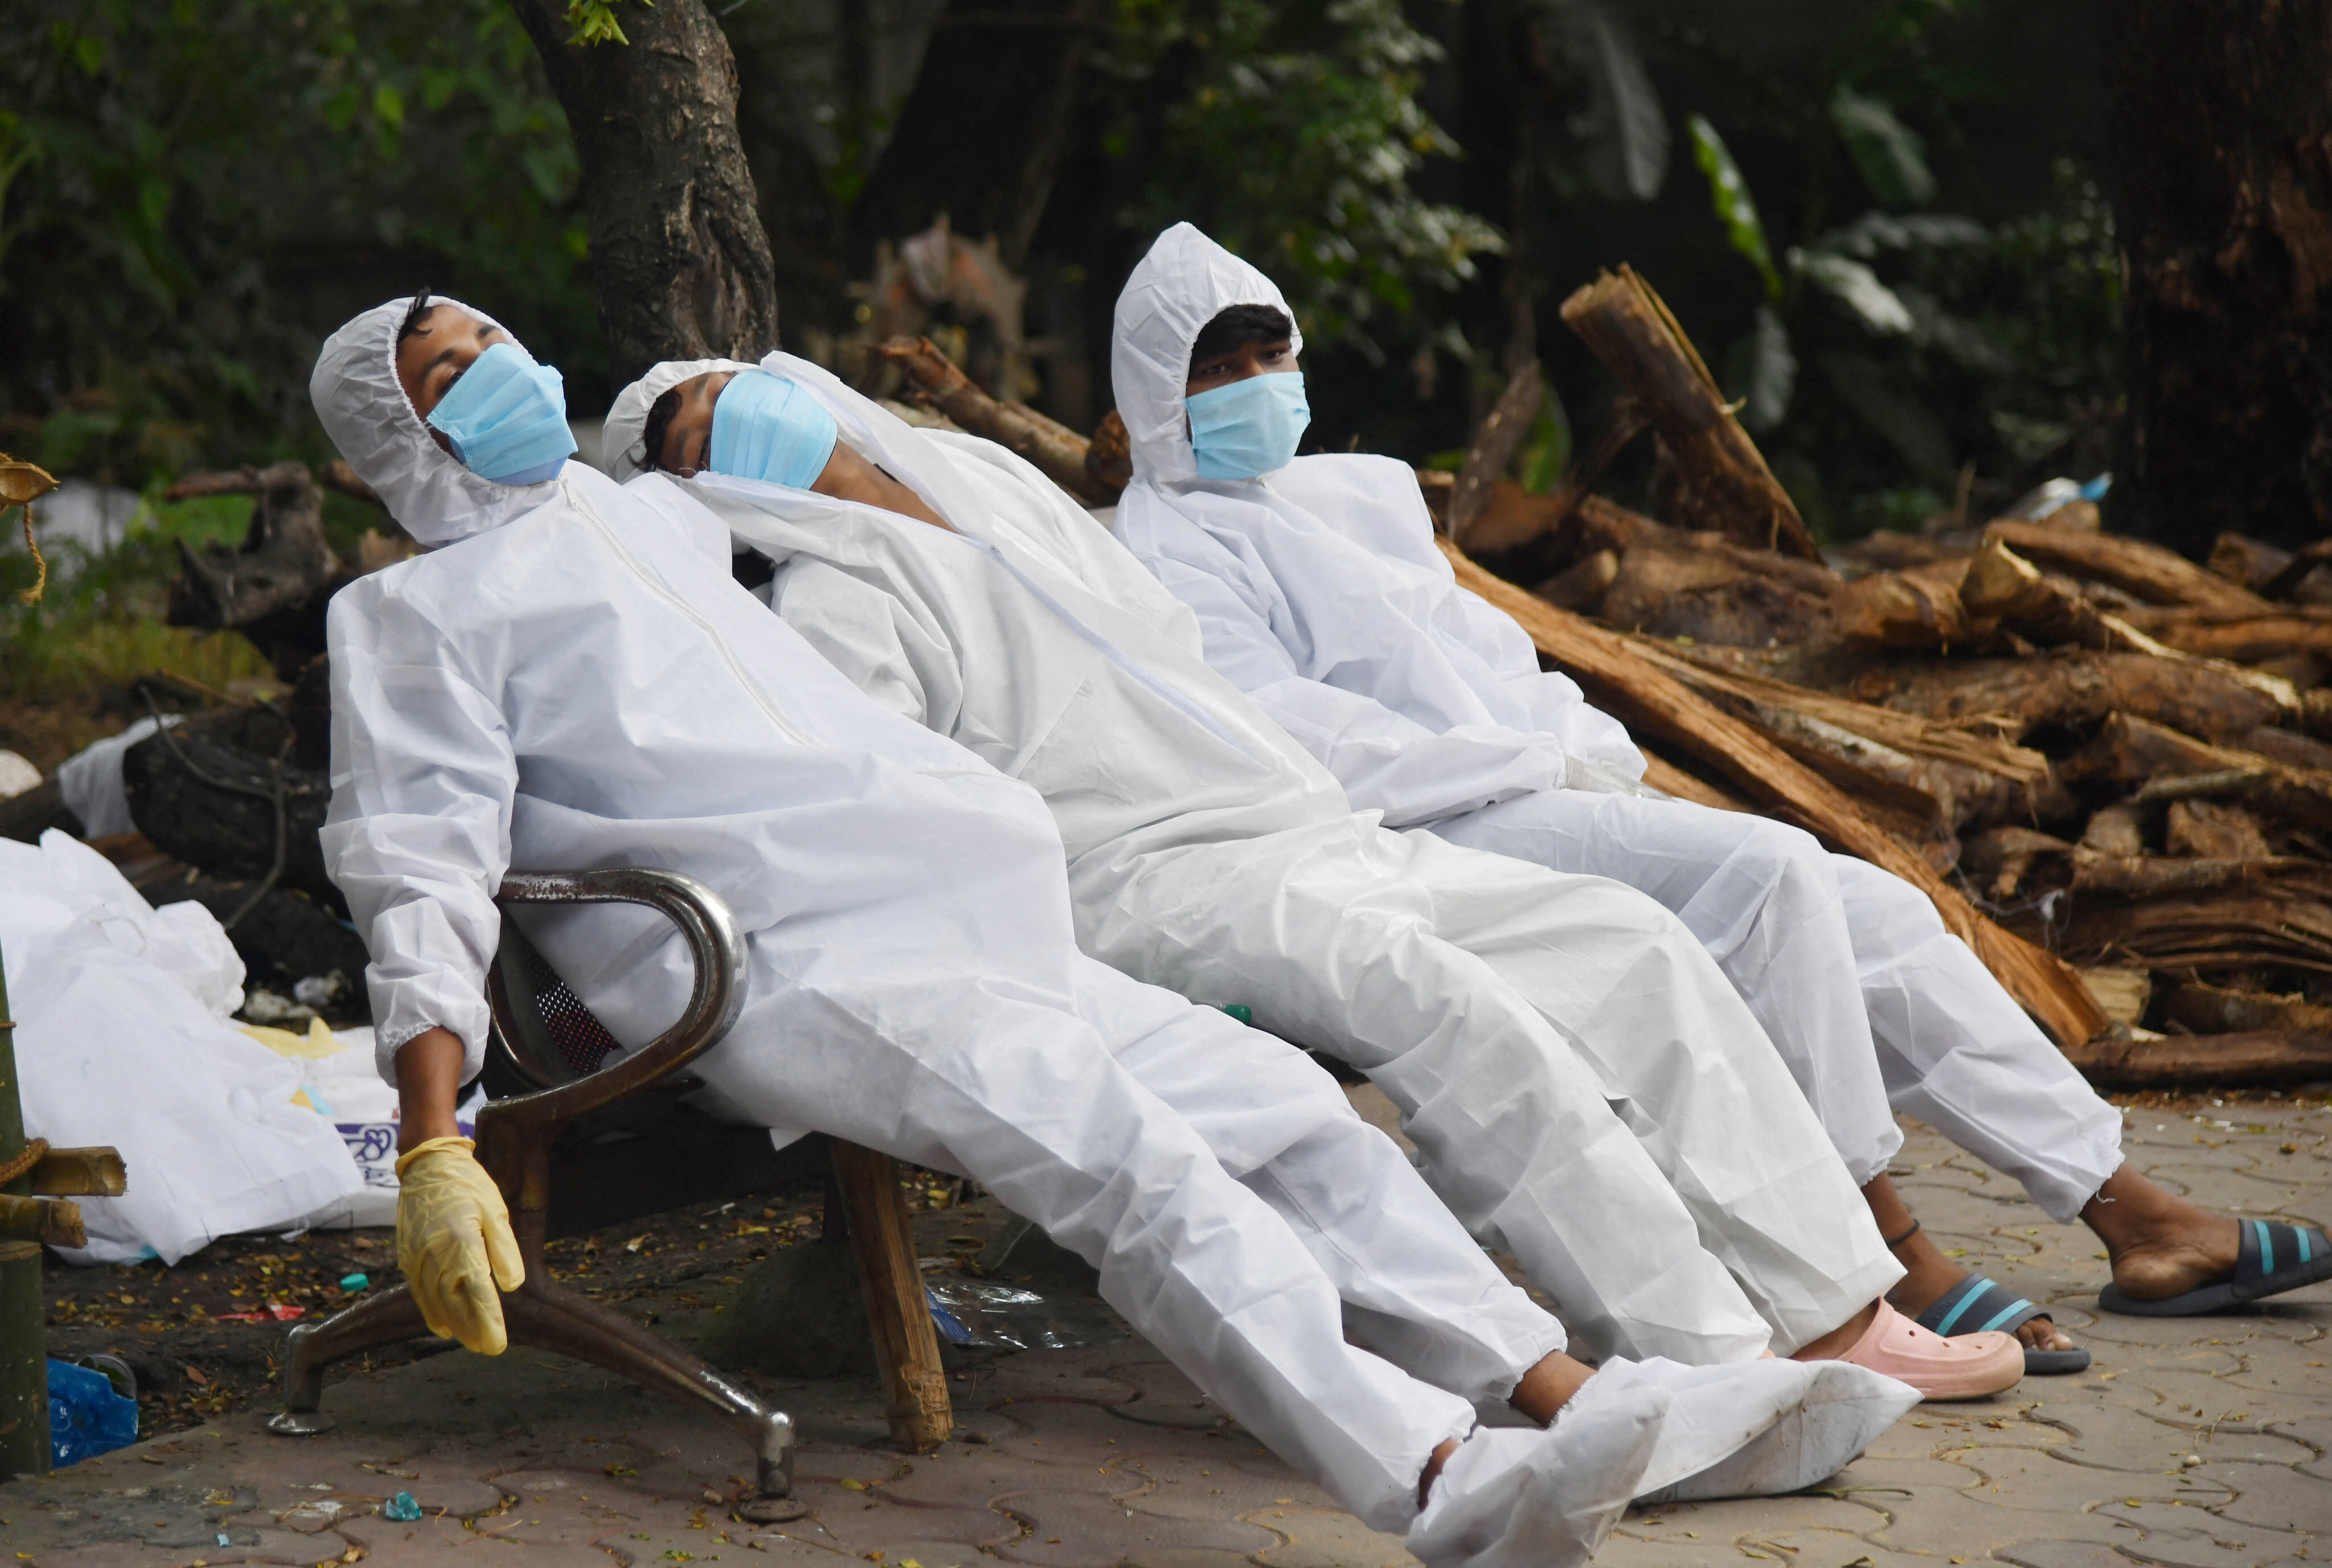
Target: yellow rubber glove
point(454, 1242)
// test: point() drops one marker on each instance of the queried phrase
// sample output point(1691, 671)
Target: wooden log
point(1511, 517)
point(272, 588)
point(2244, 639)
point(2208, 831)
point(1919, 610)
point(1579, 586)
point(2247, 562)
point(906, 1347)
point(2171, 875)
point(1728, 487)
point(1999, 859)
point(1892, 762)
point(2210, 1009)
point(2002, 585)
point(1665, 711)
point(2226, 927)
point(1493, 449)
point(95, 1172)
point(1672, 585)
point(2165, 765)
point(2071, 691)
point(1109, 459)
point(2144, 571)
point(1057, 449)
point(1670, 780)
point(2249, 1060)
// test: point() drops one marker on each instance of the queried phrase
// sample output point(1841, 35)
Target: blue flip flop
point(1977, 1304)
point(2273, 1258)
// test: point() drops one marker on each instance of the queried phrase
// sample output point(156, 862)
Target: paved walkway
point(2198, 1444)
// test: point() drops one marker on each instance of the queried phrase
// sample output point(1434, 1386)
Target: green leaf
point(1624, 126)
point(388, 107)
point(1892, 158)
point(1729, 195)
point(1857, 287)
point(1546, 449)
point(593, 21)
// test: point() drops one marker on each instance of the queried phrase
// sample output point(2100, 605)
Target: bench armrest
point(717, 953)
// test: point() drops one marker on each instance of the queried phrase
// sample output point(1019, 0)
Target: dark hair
point(1239, 326)
point(661, 414)
point(415, 314)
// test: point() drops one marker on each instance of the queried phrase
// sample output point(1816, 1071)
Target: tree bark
point(2221, 175)
point(679, 260)
point(1008, 71)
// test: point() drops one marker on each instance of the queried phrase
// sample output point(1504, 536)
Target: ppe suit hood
point(622, 442)
point(1184, 282)
point(369, 418)
point(985, 491)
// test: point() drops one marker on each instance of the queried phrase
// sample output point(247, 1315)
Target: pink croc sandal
point(1966, 1366)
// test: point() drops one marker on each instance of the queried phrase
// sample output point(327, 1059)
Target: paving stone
point(1073, 1529)
point(1325, 1538)
point(2062, 1554)
point(2194, 1537)
point(2276, 1495)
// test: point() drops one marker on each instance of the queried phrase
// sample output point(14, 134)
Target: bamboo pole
point(24, 1333)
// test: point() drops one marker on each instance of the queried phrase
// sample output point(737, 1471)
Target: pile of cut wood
point(2091, 745)
point(2110, 767)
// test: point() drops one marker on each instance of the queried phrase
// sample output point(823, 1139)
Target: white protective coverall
point(571, 679)
point(1574, 1068)
point(1320, 595)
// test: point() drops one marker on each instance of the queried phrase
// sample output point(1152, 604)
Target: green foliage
point(190, 190)
point(1295, 146)
point(1890, 155)
point(1728, 193)
point(99, 623)
point(593, 21)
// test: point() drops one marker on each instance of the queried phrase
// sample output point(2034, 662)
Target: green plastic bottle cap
point(1240, 1010)
point(355, 1281)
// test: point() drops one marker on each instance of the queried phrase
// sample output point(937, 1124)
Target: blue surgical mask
point(1249, 427)
point(767, 427)
point(507, 417)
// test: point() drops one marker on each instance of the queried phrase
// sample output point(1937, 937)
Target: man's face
point(446, 341)
point(1238, 364)
point(688, 439)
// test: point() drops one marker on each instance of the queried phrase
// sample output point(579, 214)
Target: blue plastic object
point(401, 1508)
point(86, 1417)
point(355, 1282)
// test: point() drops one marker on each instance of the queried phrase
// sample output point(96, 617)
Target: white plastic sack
point(91, 780)
point(122, 1038)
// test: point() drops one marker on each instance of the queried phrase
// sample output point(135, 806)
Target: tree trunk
point(679, 260)
point(2222, 199)
point(980, 138)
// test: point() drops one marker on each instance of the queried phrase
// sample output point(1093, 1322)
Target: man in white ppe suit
point(1322, 594)
point(1559, 1046)
point(569, 678)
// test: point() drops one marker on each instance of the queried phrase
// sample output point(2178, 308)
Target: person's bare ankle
point(1839, 1339)
point(1547, 1387)
point(2159, 1244)
point(1442, 1453)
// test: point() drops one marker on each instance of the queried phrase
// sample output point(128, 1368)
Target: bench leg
point(906, 1346)
point(389, 1318)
